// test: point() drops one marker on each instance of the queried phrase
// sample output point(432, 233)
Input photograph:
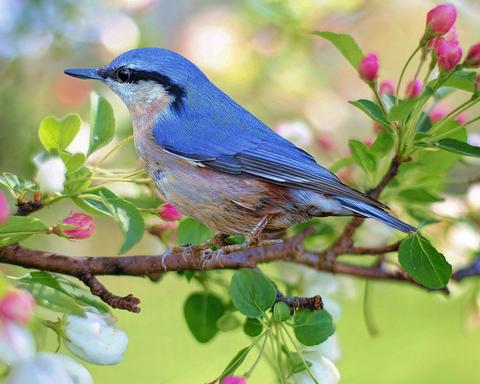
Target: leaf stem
point(402, 73)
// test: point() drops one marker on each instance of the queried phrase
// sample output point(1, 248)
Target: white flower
point(16, 343)
point(47, 368)
point(329, 349)
point(322, 369)
point(473, 196)
point(95, 339)
point(296, 131)
point(450, 207)
point(51, 175)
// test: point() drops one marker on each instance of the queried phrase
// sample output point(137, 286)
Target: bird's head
point(148, 80)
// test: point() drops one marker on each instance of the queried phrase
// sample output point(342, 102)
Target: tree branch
point(202, 258)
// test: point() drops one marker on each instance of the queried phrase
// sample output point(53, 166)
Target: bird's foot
point(209, 256)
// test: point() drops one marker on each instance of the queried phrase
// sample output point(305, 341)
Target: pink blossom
point(473, 56)
point(83, 226)
point(377, 127)
point(17, 306)
point(437, 112)
point(414, 89)
point(386, 88)
point(168, 212)
point(234, 380)
point(448, 53)
point(461, 118)
point(4, 209)
point(368, 142)
point(369, 67)
point(441, 18)
point(325, 143)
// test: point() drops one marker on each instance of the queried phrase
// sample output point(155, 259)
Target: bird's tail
point(367, 210)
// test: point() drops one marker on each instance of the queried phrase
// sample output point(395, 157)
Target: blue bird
point(214, 160)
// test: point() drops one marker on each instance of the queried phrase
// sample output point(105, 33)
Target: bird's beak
point(84, 73)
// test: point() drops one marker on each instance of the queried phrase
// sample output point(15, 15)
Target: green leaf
point(362, 156)
point(252, 327)
point(65, 286)
point(281, 312)
point(341, 163)
point(57, 134)
point(312, 327)
point(18, 228)
point(73, 162)
point(190, 231)
point(401, 111)
point(129, 219)
point(55, 300)
point(418, 195)
point(383, 144)
point(202, 311)
point(77, 181)
point(424, 123)
point(463, 80)
point(92, 203)
point(423, 262)
point(373, 111)
point(228, 322)
point(103, 123)
point(345, 44)
point(457, 146)
point(16, 184)
point(252, 293)
point(237, 360)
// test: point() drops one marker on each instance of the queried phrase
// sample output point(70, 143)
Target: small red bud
point(438, 112)
point(386, 88)
point(168, 212)
point(461, 118)
point(325, 142)
point(448, 53)
point(17, 306)
point(83, 226)
point(441, 18)
point(473, 56)
point(4, 208)
point(414, 88)
point(234, 380)
point(369, 67)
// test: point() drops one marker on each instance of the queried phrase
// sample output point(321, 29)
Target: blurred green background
point(261, 53)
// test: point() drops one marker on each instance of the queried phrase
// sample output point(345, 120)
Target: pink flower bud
point(441, 18)
point(369, 67)
point(168, 212)
point(473, 56)
point(438, 112)
point(414, 89)
point(386, 88)
point(368, 142)
point(83, 226)
point(4, 209)
point(448, 53)
point(461, 118)
point(17, 306)
point(234, 380)
point(325, 142)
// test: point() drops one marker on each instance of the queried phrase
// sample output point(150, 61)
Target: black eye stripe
point(136, 75)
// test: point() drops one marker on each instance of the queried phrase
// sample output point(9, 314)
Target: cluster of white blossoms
point(92, 338)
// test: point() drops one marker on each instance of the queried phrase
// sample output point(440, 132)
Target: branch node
point(313, 303)
point(129, 302)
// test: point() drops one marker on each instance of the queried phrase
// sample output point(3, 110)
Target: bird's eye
point(124, 75)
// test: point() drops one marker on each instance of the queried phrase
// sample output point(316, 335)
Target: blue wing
point(225, 137)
